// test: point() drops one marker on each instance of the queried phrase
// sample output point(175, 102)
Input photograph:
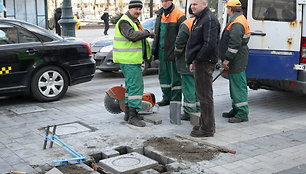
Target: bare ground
point(67, 169)
point(181, 150)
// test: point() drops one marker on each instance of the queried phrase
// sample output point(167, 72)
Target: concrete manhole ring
point(126, 161)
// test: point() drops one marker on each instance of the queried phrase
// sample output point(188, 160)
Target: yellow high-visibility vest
point(126, 51)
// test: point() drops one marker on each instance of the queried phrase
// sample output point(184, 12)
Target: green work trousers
point(169, 78)
point(239, 95)
point(189, 92)
point(133, 84)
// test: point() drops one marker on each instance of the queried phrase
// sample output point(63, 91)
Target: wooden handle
point(222, 149)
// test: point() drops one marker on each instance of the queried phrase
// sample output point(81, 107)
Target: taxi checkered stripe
point(5, 70)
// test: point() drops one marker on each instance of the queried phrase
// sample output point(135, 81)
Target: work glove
point(151, 32)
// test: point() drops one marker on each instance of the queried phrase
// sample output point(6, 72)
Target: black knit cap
point(135, 4)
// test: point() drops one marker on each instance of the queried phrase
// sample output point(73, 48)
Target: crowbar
point(222, 149)
point(54, 139)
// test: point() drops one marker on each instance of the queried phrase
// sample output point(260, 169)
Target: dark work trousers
point(106, 23)
point(203, 81)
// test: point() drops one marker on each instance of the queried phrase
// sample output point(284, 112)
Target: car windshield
point(149, 24)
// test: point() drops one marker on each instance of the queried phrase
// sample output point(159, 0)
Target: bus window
point(274, 10)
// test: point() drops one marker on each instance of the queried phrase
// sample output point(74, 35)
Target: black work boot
point(196, 128)
point(200, 133)
point(228, 115)
point(126, 112)
point(236, 120)
point(163, 103)
point(134, 118)
point(185, 116)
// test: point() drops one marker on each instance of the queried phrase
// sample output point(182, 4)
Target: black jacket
point(57, 17)
point(204, 38)
point(105, 17)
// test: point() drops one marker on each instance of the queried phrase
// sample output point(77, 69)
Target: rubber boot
point(126, 112)
point(134, 118)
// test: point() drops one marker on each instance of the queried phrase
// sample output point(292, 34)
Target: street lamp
point(67, 22)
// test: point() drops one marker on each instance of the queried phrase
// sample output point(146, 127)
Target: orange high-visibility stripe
point(174, 16)
point(242, 20)
point(188, 22)
point(164, 18)
point(139, 26)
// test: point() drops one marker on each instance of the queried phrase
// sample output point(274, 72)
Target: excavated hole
point(165, 151)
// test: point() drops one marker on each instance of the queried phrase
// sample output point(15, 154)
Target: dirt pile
point(181, 150)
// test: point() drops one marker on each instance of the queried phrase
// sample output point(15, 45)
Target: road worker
point(131, 48)
point(168, 20)
point(190, 104)
point(234, 53)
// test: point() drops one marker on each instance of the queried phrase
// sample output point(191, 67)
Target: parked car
point(39, 63)
point(104, 57)
point(96, 47)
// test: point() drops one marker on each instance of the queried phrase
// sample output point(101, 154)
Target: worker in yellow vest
point(131, 48)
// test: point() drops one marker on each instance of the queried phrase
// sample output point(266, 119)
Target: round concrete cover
point(126, 161)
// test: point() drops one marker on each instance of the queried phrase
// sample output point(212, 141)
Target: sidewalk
point(272, 141)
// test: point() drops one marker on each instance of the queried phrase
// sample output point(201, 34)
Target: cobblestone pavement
point(272, 141)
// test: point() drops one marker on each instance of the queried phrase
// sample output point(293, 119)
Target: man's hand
point(151, 32)
point(225, 64)
point(191, 68)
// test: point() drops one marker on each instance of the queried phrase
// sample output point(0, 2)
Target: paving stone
point(14, 146)
point(195, 119)
point(54, 171)
point(150, 152)
point(294, 170)
point(5, 167)
point(109, 153)
point(221, 170)
point(175, 113)
point(128, 163)
point(14, 159)
point(24, 167)
point(27, 109)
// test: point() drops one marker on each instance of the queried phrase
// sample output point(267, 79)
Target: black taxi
point(36, 62)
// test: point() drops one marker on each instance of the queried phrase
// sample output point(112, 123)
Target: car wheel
point(49, 84)
point(144, 67)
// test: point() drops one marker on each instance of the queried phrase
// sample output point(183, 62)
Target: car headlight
point(106, 49)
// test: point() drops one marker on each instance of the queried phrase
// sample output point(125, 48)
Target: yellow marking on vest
point(5, 70)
